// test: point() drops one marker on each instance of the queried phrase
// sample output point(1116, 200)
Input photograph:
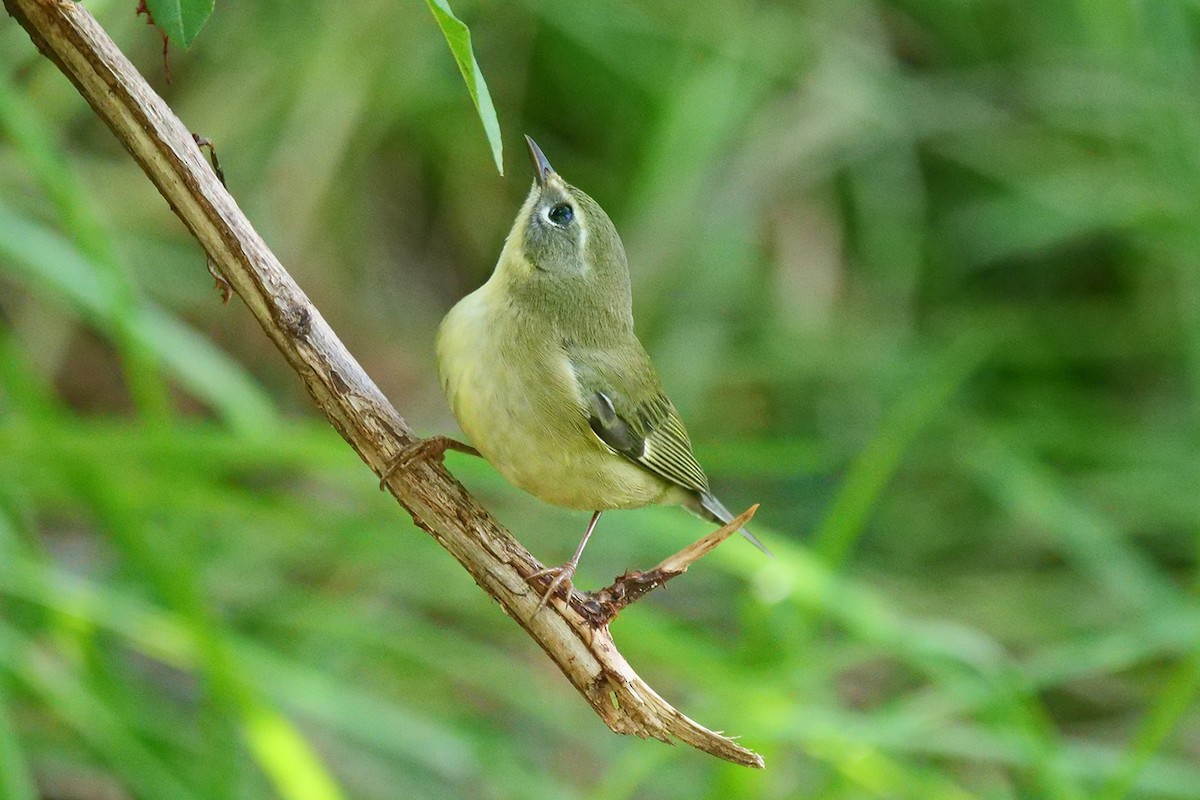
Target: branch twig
point(601, 607)
point(68, 35)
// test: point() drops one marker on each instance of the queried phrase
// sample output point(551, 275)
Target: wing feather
point(627, 409)
point(650, 435)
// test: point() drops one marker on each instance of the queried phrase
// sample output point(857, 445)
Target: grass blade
point(458, 37)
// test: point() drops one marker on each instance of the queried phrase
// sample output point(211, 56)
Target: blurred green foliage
point(923, 277)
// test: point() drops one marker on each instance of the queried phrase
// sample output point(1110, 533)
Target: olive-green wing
point(628, 410)
point(650, 434)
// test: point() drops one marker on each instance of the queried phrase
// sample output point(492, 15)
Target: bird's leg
point(434, 447)
point(562, 574)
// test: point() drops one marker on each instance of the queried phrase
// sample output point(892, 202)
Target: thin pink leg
point(562, 575)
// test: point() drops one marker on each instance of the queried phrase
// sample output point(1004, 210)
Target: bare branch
point(150, 131)
point(601, 607)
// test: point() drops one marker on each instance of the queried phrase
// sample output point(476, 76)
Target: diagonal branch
point(601, 607)
point(166, 151)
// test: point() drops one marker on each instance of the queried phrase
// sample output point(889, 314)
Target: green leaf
point(180, 20)
point(459, 38)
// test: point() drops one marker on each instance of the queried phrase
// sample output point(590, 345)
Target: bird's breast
point(514, 392)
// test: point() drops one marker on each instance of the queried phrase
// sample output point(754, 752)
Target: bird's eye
point(562, 214)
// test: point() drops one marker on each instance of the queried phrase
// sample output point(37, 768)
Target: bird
point(545, 375)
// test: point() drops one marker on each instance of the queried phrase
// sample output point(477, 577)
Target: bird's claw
point(561, 581)
point(413, 452)
point(434, 447)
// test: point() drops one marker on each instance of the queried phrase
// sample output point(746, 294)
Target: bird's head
point(564, 246)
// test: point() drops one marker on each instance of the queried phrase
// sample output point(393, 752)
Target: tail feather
point(705, 506)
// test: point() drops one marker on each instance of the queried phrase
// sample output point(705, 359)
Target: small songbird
point(546, 377)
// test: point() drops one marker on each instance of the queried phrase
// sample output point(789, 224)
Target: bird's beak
point(541, 167)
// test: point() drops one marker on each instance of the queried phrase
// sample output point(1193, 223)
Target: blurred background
point(922, 276)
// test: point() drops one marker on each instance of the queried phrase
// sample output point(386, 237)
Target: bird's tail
point(705, 506)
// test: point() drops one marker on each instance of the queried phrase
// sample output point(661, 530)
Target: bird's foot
point(560, 581)
point(434, 447)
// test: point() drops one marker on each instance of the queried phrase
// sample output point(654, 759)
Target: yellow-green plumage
point(511, 386)
point(545, 375)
